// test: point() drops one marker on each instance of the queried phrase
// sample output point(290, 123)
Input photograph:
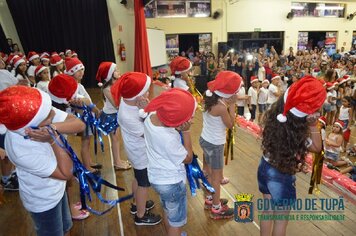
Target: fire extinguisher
point(122, 52)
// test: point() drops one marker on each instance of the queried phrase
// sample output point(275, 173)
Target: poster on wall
point(204, 42)
point(330, 42)
point(199, 9)
point(171, 9)
point(302, 41)
point(172, 46)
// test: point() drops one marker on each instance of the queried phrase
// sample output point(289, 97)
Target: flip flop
point(83, 215)
point(123, 168)
point(224, 181)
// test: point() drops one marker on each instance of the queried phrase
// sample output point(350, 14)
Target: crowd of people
point(285, 94)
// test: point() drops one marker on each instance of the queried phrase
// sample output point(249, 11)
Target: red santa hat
point(3, 56)
point(226, 84)
point(265, 81)
point(130, 85)
point(303, 98)
point(173, 107)
point(44, 54)
point(73, 65)
point(62, 88)
point(346, 77)
point(74, 54)
point(9, 59)
point(54, 53)
point(39, 69)
point(105, 72)
point(322, 119)
point(180, 65)
point(275, 76)
point(22, 107)
point(55, 60)
point(61, 53)
point(340, 80)
point(68, 51)
point(330, 85)
point(17, 61)
point(32, 55)
point(339, 123)
point(254, 79)
point(45, 58)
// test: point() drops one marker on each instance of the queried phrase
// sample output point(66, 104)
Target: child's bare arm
point(64, 163)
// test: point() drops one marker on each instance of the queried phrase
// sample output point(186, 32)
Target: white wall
point(120, 15)
point(7, 23)
point(270, 15)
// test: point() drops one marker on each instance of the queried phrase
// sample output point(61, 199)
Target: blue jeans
point(280, 186)
point(174, 202)
point(56, 221)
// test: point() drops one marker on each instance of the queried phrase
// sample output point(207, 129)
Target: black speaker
point(201, 83)
point(290, 15)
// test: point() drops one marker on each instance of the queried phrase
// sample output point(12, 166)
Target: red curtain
point(142, 61)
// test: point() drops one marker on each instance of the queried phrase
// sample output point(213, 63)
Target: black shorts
point(142, 177)
point(2, 141)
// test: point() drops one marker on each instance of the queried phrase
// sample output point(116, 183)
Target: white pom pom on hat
point(142, 113)
point(2, 129)
point(208, 93)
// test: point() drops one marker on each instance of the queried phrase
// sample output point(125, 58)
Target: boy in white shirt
point(130, 94)
point(43, 167)
point(262, 99)
point(242, 98)
point(170, 113)
point(273, 90)
point(252, 93)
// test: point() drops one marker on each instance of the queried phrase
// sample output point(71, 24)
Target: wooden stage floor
point(14, 220)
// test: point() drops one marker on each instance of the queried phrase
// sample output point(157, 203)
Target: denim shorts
point(331, 155)
point(262, 108)
point(213, 154)
point(280, 186)
point(56, 221)
point(174, 202)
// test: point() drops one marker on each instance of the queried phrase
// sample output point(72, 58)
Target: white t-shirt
point(331, 94)
point(241, 93)
point(7, 79)
point(31, 71)
point(261, 73)
point(179, 83)
point(108, 107)
point(271, 97)
point(35, 162)
point(263, 96)
point(43, 85)
point(165, 154)
point(252, 92)
point(132, 129)
point(83, 92)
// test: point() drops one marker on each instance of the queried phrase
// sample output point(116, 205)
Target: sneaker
point(12, 184)
point(148, 219)
point(149, 205)
point(209, 203)
point(224, 212)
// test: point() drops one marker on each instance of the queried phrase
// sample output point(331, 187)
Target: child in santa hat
point(170, 113)
point(274, 91)
point(180, 69)
point(19, 66)
point(262, 99)
point(57, 65)
point(42, 165)
point(34, 60)
point(219, 114)
point(42, 78)
point(290, 130)
point(106, 75)
point(75, 68)
point(63, 90)
point(131, 92)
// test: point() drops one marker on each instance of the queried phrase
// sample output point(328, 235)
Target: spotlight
point(124, 2)
point(290, 15)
